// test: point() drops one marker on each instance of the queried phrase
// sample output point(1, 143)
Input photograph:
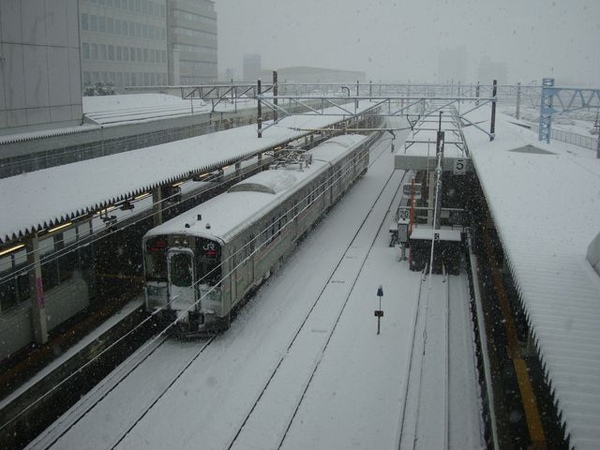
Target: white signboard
point(406, 188)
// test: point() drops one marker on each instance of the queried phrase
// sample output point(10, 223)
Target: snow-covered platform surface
point(545, 203)
point(302, 366)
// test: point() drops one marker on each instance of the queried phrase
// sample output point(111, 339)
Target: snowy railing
point(570, 138)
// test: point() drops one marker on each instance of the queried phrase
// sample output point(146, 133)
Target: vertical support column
point(546, 110)
point(38, 306)
point(275, 94)
point(493, 121)
point(430, 197)
point(259, 112)
point(438, 178)
point(157, 206)
point(518, 112)
point(357, 92)
point(234, 95)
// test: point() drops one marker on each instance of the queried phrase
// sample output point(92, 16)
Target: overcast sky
point(400, 40)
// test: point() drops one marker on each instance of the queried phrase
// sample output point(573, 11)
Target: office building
point(40, 82)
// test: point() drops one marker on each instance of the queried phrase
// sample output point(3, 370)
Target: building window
point(119, 53)
point(85, 51)
point(110, 25)
point(111, 52)
point(102, 24)
point(84, 22)
point(93, 23)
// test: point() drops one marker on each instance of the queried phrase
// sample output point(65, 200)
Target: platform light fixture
point(11, 249)
point(107, 210)
point(60, 227)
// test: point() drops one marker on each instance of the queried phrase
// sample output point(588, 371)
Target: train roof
point(223, 216)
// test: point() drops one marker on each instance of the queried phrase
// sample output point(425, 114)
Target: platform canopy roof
point(545, 203)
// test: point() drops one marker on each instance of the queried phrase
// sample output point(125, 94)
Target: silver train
point(201, 265)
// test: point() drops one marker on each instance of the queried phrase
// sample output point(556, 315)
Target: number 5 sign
point(460, 166)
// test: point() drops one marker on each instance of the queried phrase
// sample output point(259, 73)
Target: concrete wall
point(40, 68)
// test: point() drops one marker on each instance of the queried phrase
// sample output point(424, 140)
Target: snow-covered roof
point(220, 217)
point(118, 109)
point(271, 182)
point(42, 199)
point(419, 149)
point(545, 202)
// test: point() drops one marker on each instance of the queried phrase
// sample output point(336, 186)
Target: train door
point(180, 264)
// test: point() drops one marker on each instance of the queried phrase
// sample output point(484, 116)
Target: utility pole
point(259, 112)
point(493, 124)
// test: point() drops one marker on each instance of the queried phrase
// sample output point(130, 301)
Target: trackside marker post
point(379, 312)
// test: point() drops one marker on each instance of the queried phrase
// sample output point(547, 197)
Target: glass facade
point(124, 42)
point(148, 42)
point(192, 37)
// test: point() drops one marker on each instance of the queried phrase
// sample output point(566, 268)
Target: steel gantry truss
point(390, 100)
point(559, 100)
point(284, 99)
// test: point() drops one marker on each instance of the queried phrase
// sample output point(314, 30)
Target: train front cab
point(182, 284)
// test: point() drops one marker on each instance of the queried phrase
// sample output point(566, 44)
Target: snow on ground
point(354, 399)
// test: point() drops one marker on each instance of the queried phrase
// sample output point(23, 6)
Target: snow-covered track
point(438, 412)
point(314, 332)
point(149, 355)
point(427, 389)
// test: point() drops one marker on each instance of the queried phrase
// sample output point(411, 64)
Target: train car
point(201, 265)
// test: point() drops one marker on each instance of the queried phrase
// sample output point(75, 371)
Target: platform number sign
point(403, 213)
point(460, 166)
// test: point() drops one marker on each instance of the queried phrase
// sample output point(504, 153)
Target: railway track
point(153, 354)
point(438, 412)
point(425, 419)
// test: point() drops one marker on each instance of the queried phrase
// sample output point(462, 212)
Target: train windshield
point(181, 269)
point(209, 262)
point(156, 259)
